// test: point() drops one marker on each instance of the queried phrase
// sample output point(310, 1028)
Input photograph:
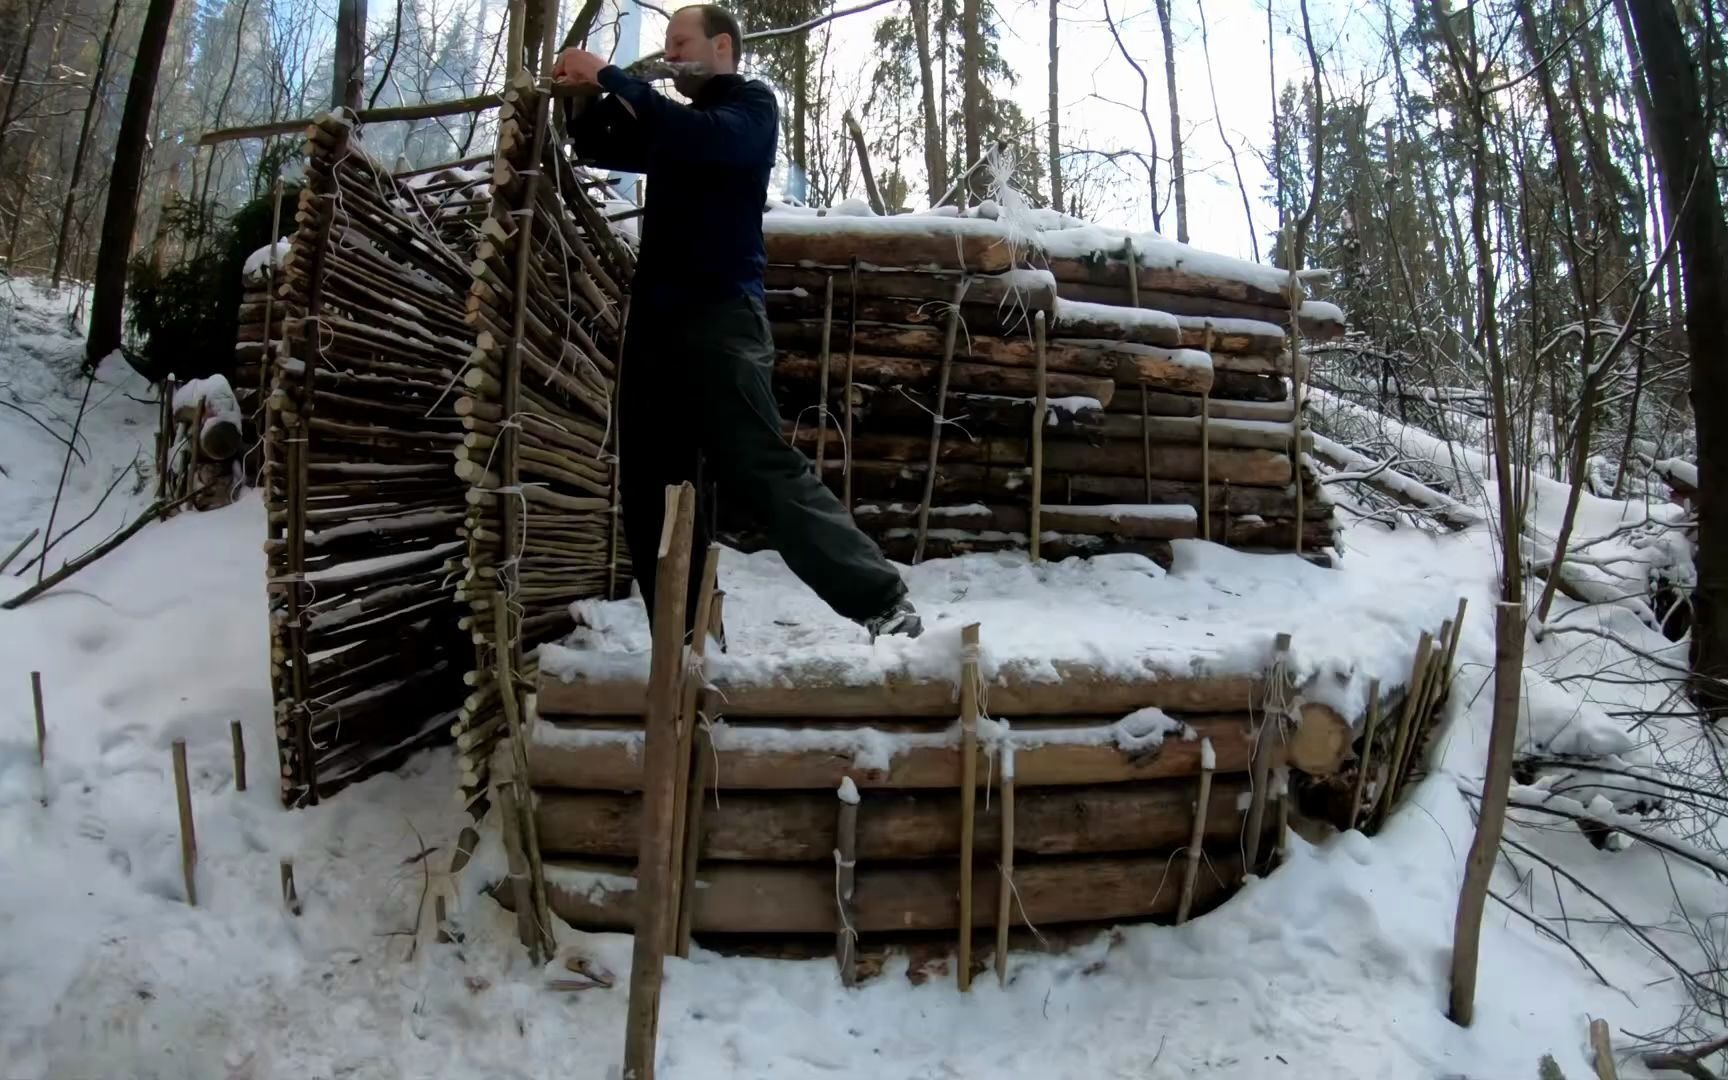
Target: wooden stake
point(1206, 456)
point(1146, 439)
point(660, 777)
point(968, 790)
point(290, 897)
point(689, 801)
point(701, 779)
point(1424, 706)
point(515, 854)
point(41, 718)
point(1367, 762)
point(1133, 271)
point(851, 359)
point(1419, 672)
point(1005, 874)
point(845, 868)
point(1491, 821)
point(188, 840)
point(1038, 411)
point(238, 738)
point(1452, 650)
point(1265, 747)
point(717, 619)
point(937, 421)
point(1197, 838)
point(1297, 382)
point(522, 797)
point(822, 376)
point(1603, 1046)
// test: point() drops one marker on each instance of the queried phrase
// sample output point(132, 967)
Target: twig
point(1690, 1061)
point(1549, 930)
point(65, 468)
point(38, 422)
point(48, 545)
point(156, 510)
point(13, 554)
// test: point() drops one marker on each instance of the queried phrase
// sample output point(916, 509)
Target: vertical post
point(1133, 271)
point(238, 738)
point(968, 791)
point(687, 811)
point(1296, 384)
point(1602, 1049)
point(851, 357)
point(616, 511)
point(822, 379)
point(41, 718)
point(1005, 874)
point(1146, 440)
point(1197, 836)
point(517, 14)
point(542, 945)
point(290, 896)
point(845, 869)
point(1452, 650)
point(1205, 452)
point(1406, 717)
point(937, 422)
point(1367, 762)
point(659, 780)
point(1485, 848)
point(701, 778)
point(1038, 415)
point(188, 839)
point(1265, 748)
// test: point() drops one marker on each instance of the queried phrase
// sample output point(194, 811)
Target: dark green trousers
point(696, 403)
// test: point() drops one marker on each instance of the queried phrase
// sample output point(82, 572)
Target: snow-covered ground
point(1334, 966)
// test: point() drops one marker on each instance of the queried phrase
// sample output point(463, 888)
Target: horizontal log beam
point(800, 826)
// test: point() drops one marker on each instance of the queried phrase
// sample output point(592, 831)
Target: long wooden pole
point(1363, 766)
point(686, 814)
point(851, 364)
point(1197, 838)
point(1491, 824)
point(660, 778)
point(968, 790)
point(1038, 415)
point(188, 838)
point(1265, 747)
point(822, 376)
point(41, 718)
point(238, 738)
point(845, 871)
point(1005, 875)
point(937, 421)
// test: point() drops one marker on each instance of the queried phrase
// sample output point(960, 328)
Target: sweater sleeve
point(739, 132)
point(606, 135)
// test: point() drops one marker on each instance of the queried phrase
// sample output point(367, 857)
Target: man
point(698, 355)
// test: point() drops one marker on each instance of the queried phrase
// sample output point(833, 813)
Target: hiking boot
point(900, 618)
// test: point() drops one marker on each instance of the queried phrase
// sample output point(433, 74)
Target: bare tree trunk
point(10, 111)
point(800, 116)
point(349, 69)
point(1662, 216)
point(221, 113)
point(1178, 179)
point(1218, 119)
point(1055, 132)
point(396, 47)
point(108, 298)
point(1145, 118)
point(100, 75)
point(1299, 249)
point(935, 166)
point(972, 90)
point(1277, 129)
point(1682, 133)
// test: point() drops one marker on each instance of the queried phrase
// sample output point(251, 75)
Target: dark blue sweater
point(707, 165)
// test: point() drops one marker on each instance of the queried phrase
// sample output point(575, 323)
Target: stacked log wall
point(366, 658)
point(1176, 392)
point(537, 445)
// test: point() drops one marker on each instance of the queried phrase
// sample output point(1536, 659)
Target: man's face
point(688, 42)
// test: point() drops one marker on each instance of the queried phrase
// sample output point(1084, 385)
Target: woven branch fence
point(379, 363)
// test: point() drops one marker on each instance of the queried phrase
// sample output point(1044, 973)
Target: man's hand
point(577, 67)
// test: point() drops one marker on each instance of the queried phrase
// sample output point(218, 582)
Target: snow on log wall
point(1168, 375)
